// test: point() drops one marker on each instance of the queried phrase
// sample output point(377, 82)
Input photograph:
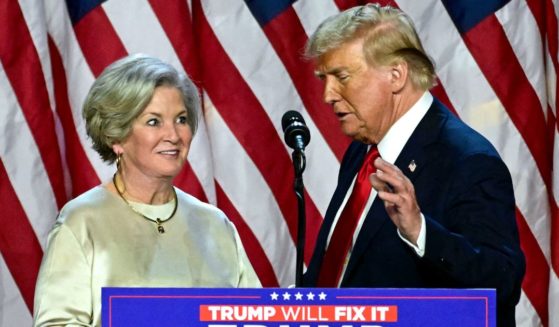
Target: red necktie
point(340, 242)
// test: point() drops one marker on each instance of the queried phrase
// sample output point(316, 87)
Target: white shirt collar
point(398, 135)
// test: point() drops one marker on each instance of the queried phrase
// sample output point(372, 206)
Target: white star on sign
point(274, 296)
point(286, 296)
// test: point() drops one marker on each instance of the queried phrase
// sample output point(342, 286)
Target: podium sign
point(297, 307)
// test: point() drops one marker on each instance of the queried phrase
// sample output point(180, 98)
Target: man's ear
point(398, 76)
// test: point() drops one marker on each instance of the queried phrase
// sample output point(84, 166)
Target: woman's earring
point(118, 161)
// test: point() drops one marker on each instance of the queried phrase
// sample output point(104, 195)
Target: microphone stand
point(299, 163)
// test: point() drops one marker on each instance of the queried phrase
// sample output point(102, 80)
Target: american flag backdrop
point(496, 62)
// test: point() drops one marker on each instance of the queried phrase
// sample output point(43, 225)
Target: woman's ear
point(117, 148)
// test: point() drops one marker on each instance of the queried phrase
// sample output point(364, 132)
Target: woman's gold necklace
point(157, 221)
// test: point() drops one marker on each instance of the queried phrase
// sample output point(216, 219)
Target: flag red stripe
point(18, 244)
point(187, 181)
point(254, 250)
point(537, 7)
point(552, 30)
point(175, 19)
point(554, 235)
point(505, 74)
point(536, 279)
point(544, 14)
point(439, 92)
point(82, 173)
point(509, 82)
point(23, 68)
point(254, 131)
point(552, 33)
point(554, 242)
point(98, 40)
point(288, 38)
point(345, 4)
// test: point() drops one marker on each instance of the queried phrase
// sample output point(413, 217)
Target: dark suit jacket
point(465, 192)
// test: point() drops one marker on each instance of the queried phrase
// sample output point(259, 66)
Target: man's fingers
point(380, 185)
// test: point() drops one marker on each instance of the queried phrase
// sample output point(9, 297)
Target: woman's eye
point(153, 122)
point(182, 120)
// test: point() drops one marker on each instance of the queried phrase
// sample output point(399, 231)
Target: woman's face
point(160, 138)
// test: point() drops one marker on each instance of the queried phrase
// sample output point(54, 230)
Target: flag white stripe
point(312, 12)
point(525, 314)
point(551, 82)
point(79, 78)
point(142, 33)
point(23, 163)
point(215, 145)
point(477, 105)
point(232, 31)
point(13, 311)
point(34, 16)
point(553, 298)
point(253, 199)
point(556, 167)
point(523, 34)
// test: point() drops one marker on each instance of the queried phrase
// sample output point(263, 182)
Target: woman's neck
point(142, 189)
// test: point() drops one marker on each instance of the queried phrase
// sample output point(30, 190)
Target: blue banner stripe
point(79, 8)
point(266, 10)
point(468, 13)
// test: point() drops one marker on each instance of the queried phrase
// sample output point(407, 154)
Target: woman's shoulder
point(90, 202)
point(198, 207)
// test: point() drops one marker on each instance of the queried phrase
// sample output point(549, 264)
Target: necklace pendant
point(160, 228)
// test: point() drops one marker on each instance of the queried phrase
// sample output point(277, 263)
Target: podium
point(300, 307)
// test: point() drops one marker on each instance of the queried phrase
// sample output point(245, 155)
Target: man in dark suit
point(441, 211)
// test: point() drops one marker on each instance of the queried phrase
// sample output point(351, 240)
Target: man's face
point(360, 95)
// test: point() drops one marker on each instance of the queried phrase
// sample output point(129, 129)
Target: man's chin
point(349, 130)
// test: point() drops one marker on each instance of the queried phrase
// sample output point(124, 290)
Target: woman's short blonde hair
point(122, 92)
point(389, 34)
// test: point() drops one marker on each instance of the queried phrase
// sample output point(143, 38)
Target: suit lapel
point(411, 161)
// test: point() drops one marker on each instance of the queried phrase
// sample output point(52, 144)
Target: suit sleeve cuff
point(420, 247)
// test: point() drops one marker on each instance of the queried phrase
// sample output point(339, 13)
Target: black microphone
point(296, 132)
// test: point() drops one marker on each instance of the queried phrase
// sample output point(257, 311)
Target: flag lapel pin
point(412, 166)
